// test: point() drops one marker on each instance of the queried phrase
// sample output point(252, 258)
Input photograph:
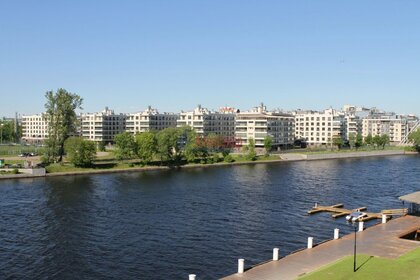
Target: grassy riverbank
point(108, 162)
point(405, 267)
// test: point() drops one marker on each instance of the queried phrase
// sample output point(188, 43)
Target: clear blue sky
point(174, 55)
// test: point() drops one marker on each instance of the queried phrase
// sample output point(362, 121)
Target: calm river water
point(168, 224)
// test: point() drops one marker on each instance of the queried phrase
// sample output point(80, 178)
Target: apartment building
point(319, 128)
point(102, 126)
point(395, 126)
point(258, 123)
point(150, 120)
point(34, 129)
point(205, 122)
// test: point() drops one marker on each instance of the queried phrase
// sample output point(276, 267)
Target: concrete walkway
point(381, 240)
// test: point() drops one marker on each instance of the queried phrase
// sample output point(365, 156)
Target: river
point(168, 224)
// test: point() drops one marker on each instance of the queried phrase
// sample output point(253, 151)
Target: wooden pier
point(338, 211)
point(381, 240)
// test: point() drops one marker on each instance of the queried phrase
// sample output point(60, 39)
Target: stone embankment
point(294, 157)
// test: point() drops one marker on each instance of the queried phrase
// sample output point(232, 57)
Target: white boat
point(355, 216)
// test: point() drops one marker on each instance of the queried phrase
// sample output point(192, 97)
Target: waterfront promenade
point(381, 240)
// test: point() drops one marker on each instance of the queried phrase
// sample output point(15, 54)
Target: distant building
point(395, 126)
point(319, 128)
point(102, 126)
point(150, 120)
point(206, 122)
point(34, 129)
point(258, 123)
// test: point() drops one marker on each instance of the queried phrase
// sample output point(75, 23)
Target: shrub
point(216, 158)
point(15, 171)
point(229, 158)
point(101, 146)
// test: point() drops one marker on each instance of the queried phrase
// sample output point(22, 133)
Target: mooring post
point(310, 242)
point(383, 219)
point(336, 233)
point(191, 277)
point(316, 204)
point(241, 265)
point(275, 254)
point(361, 226)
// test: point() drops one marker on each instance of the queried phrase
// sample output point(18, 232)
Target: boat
point(356, 216)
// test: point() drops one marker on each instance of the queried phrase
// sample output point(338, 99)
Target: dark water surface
point(168, 224)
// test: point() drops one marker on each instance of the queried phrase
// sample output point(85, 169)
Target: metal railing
point(405, 139)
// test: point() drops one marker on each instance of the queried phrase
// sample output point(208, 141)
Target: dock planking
point(339, 211)
point(380, 240)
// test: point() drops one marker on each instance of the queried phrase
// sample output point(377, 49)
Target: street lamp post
point(354, 252)
point(355, 225)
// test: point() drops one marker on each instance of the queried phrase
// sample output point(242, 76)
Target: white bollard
point(241, 265)
point(275, 254)
point(361, 226)
point(191, 277)
point(310, 242)
point(336, 233)
point(383, 219)
point(316, 204)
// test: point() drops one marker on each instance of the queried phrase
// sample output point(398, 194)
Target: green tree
point(197, 148)
point(359, 141)
point(169, 143)
point(79, 151)
point(376, 140)
point(8, 131)
point(146, 146)
point(62, 121)
point(338, 141)
point(384, 140)
point(251, 154)
point(126, 147)
point(369, 139)
point(414, 137)
point(352, 140)
point(268, 144)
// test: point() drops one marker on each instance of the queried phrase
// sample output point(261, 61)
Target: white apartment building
point(102, 126)
point(34, 129)
point(150, 120)
point(395, 126)
point(352, 120)
point(319, 128)
point(258, 123)
point(205, 122)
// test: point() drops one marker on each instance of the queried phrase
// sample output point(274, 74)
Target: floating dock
point(340, 212)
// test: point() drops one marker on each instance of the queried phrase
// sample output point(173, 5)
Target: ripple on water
point(168, 224)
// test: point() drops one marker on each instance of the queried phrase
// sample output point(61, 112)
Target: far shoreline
point(295, 158)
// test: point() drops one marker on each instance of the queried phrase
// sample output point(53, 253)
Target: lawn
point(14, 150)
point(406, 267)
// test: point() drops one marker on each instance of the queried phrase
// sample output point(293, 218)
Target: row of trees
point(356, 141)
point(172, 146)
